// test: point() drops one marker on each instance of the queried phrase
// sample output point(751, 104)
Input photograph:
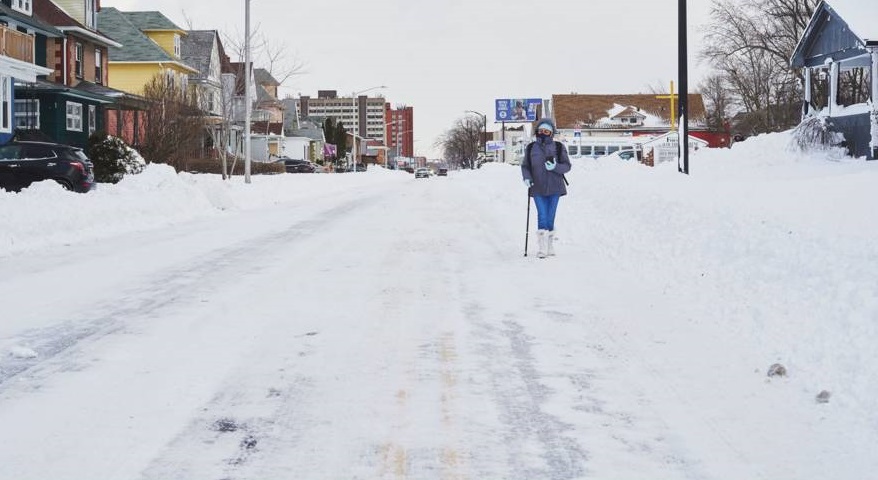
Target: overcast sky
point(444, 57)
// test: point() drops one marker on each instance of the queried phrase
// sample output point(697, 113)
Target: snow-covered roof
point(860, 15)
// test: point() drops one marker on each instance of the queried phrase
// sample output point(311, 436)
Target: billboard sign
point(495, 145)
point(516, 109)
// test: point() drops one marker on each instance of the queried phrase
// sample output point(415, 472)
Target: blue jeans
point(546, 208)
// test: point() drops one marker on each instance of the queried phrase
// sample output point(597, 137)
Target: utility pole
point(683, 73)
point(247, 106)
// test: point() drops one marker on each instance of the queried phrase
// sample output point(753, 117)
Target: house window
point(211, 101)
point(27, 114)
point(99, 67)
point(23, 6)
point(78, 59)
point(92, 119)
point(5, 104)
point(176, 45)
point(74, 117)
point(90, 13)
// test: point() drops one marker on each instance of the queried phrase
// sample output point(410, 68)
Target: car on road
point(423, 173)
point(23, 163)
point(624, 155)
point(293, 165)
point(443, 172)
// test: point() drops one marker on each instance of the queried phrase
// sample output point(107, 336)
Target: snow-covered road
point(391, 332)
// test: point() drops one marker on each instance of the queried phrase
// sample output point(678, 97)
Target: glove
point(528, 183)
point(550, 165)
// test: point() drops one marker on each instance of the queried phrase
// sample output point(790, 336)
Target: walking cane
point(527, 225)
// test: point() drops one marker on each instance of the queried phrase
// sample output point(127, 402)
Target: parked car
point(23, 163)
point(293, 165)
point(624, 155)
point(422, 173)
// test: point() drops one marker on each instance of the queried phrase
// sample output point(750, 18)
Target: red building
point(400, 130)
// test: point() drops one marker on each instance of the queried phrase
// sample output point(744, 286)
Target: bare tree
point(461, 144)
point(750, 42)
point(717, 101)
point(174, 126)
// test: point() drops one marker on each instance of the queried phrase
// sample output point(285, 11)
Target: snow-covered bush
point(814, 133)
point(112, 158)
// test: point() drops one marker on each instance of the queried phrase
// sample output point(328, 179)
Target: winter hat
point(545, 124)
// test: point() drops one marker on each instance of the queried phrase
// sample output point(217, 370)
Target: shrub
point(112, 158)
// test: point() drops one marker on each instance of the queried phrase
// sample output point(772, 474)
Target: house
point(151, 46)
point(266, 115)
point(838, 53)
point(628, 115)
point(203, 50)
point(304, 139)
point(68, 105)
point(22, 57)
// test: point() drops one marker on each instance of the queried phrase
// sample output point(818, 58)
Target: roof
point(860, 15)
point(837, 31)
point(263, 77)
point(629, 112)
point(151, 21)
point(46, 86)
point(37, 24)
point(137, 46)
point(196, 49)
point(571, 109)
point(52, 14)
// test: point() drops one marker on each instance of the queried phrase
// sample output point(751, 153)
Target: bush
point(210, 165)
point(815, 133)
point(112, 158)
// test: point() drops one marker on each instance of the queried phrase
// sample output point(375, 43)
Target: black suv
point(23, 163)
point(292, 165)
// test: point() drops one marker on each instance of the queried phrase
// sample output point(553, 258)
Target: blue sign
point(517, 109)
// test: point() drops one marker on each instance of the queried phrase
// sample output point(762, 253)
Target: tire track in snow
point(185, 284)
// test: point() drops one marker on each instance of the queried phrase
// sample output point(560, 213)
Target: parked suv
point(23, 163)
point(292, 165)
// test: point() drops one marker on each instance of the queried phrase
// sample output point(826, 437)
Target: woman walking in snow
point(545, 163)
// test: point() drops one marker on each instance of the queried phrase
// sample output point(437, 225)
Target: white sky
point(445, 57)
point(378, 326)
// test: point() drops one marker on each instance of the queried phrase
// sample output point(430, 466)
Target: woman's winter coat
point(545, 182)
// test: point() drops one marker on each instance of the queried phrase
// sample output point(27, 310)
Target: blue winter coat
point(545, 182)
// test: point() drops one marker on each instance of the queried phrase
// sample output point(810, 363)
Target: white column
point(833, 87)
point(874, 77)
point(807, 107)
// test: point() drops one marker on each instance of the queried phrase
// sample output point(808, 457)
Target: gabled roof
point(263, 77)
point(860, 15)
point(51, 14)
point(137, 46)
point(196, 49)
point(35, 23)
point(570, 109)
point(153, 21)
point(629, 112)
point(854, 25)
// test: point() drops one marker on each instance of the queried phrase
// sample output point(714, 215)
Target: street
point(392, 333)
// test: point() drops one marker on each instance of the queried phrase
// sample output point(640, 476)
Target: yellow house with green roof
point(150, 46)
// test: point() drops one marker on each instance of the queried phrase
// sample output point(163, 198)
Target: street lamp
point(356, 112)
point(483, 143)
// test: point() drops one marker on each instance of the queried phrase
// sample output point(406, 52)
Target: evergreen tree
point(340, 139)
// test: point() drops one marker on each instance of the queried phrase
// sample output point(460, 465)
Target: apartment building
point(400, 130)
point(362, 115)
